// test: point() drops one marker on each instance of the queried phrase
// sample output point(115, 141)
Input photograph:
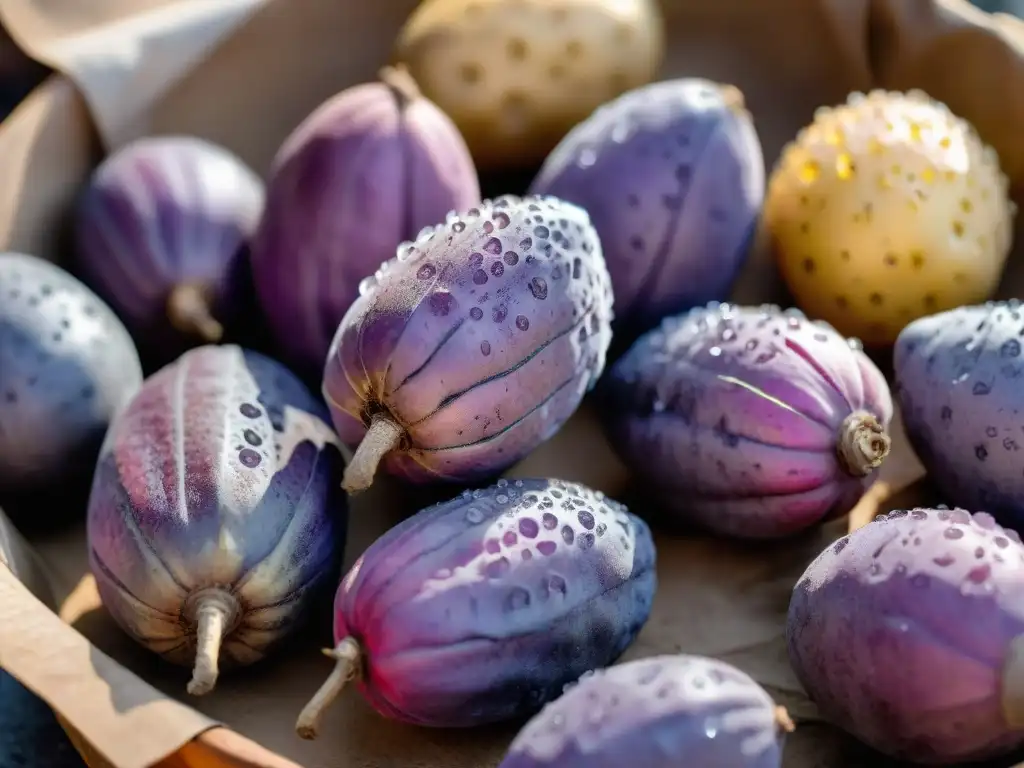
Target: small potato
point(516, 75)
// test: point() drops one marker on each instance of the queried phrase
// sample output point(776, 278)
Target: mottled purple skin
point(960, 384)
point(480, 339)
point(67, 365)
point(731, 415)
point(221, 472)
point(364, 172)
point(161, 212)
point(673, 178)
point(661, 712)
point(482, 608)
point(899, 632)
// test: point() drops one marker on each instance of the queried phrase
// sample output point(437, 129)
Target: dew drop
point(252, 438)
point(568, 535)
point(528, 527)
point(944, 561)
point(441, 303)
point(510, 539)
point(497, 568)
point(485, 348)
point(953, 533)
point(586, 519)
point(499, 313)
point(249, 457)
point(541, 231)
point(522, 323)
point(479, 277)
point(539, 288)
point(476, 259)
point(517, 599)
point(556, 583)
point(474, 516)
point(550, 521)
point(501, 498)
point(476, 313)
point(426, 271)
point(497, 269)
point(979, 573)
point(249, 410)
point(511, 258)
point(547, 548)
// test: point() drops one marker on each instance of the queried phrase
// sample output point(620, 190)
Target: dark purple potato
point(215, 511)
point(67, 365)
point(960, 383)
point(750, 421)
point(482, 608)
point(364, 172)
point(473, 346)
point(661, 712)
point(673, 179)
point(909, 634)
point(160, 231)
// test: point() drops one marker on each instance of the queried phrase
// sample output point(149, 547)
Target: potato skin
point(899, 633)
point(516, 76)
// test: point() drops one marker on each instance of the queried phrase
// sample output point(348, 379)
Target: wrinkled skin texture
point(731, 415)
point(67, 365)
point(672, 176)
point(221, 472)
point(899, 631)
point(364, 172)
point(480, 339)
point(161, 212)
point(482, 608)
point(661, 712)
point(960, 386)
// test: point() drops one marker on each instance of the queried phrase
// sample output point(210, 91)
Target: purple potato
point(160, 230)
point(215, 511)
point(673, 179)
point(364, 172)
point(661, 712)
point(749, 421)
point(67, 365)
point(482, 608)
point(473, 346)
point(960, 387)
point(907, 633)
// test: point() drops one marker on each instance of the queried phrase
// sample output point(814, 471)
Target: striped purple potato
point(67, 365)
point(660, 712)
point(364, 172)
point(215, 511)
point(960, 383)
point(474, 345)
point(160, 230)
point(909, 634)
point(750, 421)
point(482, 608)
point(672, 176)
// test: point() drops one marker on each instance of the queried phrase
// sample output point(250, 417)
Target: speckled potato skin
point(364, 172)
point(898, 632)
point(163, 211)
point(67, 365)
point(731, 414)
point(660, 712)
point(480, 339)
point(960, 384)
point(482, 608)
point(886, 209)
point(221, 472)
point(672, 176)
point(516, 77)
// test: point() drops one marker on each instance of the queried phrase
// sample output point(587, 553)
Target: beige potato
point(886, 209)
point(516, 75)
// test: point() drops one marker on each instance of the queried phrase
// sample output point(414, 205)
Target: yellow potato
point(886, 209)
point(516, 75)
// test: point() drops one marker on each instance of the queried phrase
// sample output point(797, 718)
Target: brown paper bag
point(152, 66)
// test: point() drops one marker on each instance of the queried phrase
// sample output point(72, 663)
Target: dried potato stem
point(401, 83)
point(214, 611)
point(383, 436)
point(347, 656)
point(862, 445)
point(188, 309)
point(783, 720)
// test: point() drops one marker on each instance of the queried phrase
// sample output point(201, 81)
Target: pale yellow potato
point(516, 75)
point(886, 209)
